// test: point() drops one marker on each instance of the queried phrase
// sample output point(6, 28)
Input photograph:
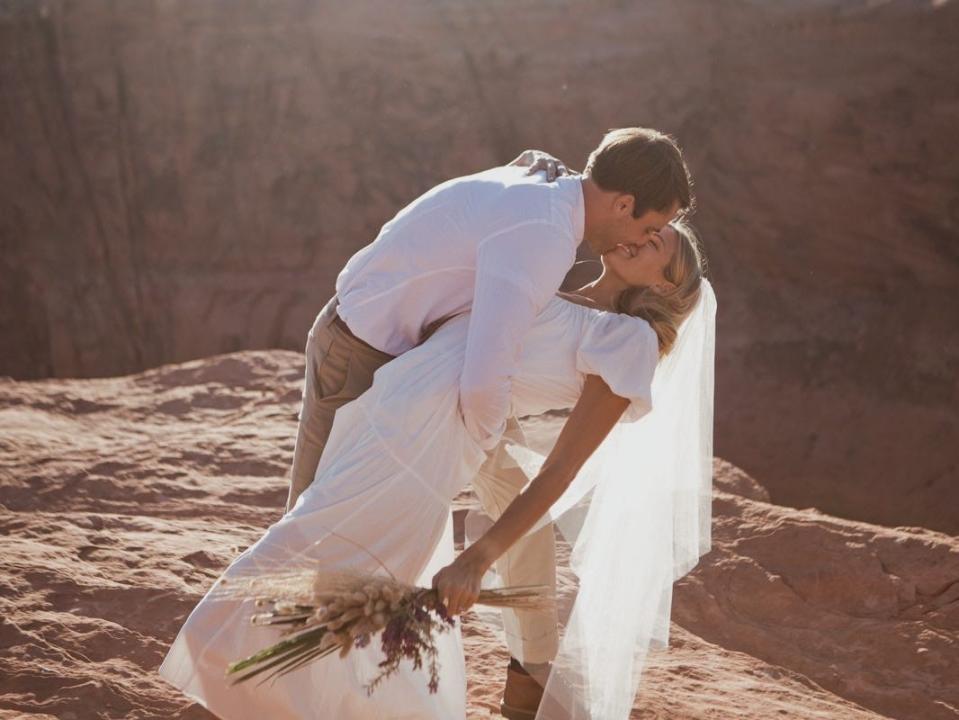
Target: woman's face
point(643, 264)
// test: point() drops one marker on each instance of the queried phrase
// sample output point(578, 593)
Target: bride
point(400, 453)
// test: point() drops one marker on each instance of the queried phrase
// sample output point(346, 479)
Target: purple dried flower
point(410, 619)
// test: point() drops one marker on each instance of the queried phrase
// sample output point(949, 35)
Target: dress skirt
point(380, 500)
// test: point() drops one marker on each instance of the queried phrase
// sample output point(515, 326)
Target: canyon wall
point(182, 179)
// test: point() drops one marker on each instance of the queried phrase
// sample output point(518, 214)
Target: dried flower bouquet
point(323, 612)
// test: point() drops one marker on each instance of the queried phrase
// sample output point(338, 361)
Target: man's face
point(624, 229)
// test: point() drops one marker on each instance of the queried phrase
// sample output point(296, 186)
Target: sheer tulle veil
point(636, 518)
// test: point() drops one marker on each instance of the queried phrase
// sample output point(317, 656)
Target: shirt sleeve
point(518, 270)
point(624, 351)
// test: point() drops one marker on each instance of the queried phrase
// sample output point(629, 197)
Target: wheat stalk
point(329, 611)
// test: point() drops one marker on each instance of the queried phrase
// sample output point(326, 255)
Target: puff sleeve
point(624, 351)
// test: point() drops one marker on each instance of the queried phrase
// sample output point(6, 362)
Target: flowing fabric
point(637, 517)
point(380, 502)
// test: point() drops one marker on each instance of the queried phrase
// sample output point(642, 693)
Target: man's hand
point(458, 584)
point(536, 160)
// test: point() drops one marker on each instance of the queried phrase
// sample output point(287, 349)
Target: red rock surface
point(182, 179)
point(123, 498)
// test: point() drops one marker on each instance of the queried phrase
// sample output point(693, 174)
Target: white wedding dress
point(396, 458)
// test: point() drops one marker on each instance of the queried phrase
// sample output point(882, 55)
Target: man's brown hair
point(645, 163)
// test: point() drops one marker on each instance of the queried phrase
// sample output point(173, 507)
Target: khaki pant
point(340, 369)
point(532, 635)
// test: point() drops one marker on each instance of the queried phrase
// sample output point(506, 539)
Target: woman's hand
point(536, 160)
point(458, 584)
point(594, 415)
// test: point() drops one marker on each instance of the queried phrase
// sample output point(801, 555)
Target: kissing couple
point(444, 330)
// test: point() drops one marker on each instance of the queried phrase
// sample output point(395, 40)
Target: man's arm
point(518, 270)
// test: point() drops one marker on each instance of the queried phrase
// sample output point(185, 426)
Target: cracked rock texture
point(122, 499)
point(181, 179)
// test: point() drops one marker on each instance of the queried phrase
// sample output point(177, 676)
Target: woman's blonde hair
point(665, 311)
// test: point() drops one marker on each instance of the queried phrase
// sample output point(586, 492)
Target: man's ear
point(623, 204)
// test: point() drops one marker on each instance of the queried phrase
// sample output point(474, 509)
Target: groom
point(497, 244)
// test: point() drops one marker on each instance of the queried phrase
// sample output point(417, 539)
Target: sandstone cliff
point(181, 179)
point(122, 499)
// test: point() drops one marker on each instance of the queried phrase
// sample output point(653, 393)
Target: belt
point(339, 322)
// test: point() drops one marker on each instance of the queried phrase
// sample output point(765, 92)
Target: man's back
point(423, 264)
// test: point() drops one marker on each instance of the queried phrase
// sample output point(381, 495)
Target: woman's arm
point(588, 424)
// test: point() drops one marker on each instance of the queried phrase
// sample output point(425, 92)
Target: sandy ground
point(123, 498)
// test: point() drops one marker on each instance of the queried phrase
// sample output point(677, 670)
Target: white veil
point(637, 518)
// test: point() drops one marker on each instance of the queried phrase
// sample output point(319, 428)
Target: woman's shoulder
point(607, 339)
point(625, 336)
point(602, 321)
point(629, 323)
point(624, 351)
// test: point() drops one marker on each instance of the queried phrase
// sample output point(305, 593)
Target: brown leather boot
point(521, 695)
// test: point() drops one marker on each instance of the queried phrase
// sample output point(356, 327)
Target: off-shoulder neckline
point(599, 312)
point(591, 309)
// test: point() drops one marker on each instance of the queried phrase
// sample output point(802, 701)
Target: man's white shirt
point(498, 243)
